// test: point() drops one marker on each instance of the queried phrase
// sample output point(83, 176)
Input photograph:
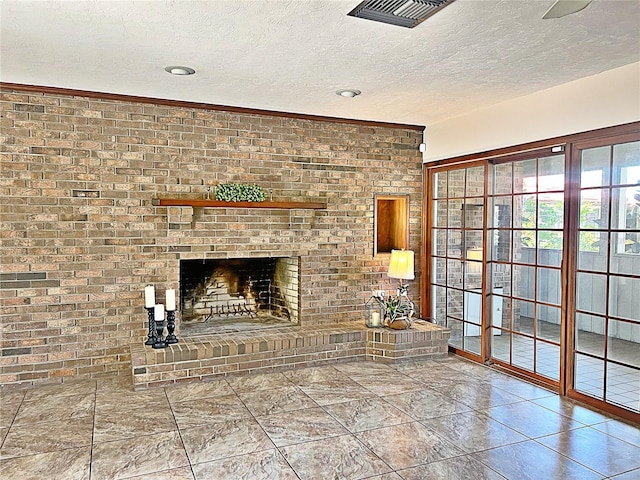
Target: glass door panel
point(606, 333)
point(526, 242)
point(456, 254)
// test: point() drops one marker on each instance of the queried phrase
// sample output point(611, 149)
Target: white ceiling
point(292, 55)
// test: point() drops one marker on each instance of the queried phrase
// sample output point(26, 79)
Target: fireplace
point(238, 294)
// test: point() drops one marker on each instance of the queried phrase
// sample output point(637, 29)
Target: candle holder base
point(171, 326)
point(151, 336)
point(159, 343)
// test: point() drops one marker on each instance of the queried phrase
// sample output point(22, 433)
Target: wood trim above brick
point(203, 106)
point(185, 202)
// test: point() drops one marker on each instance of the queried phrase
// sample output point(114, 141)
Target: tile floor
point(446, 419)
point(622, 382)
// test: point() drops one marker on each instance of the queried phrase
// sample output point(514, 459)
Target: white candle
point(149, 296)
point(171, 300)
point(159, 312)
point(375, 319)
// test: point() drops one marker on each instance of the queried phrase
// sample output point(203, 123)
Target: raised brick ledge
point(198, 358)
point(422, 340)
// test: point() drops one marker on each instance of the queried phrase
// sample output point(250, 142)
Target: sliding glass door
point(606, 326)
point(525, 244)
point(534, 263)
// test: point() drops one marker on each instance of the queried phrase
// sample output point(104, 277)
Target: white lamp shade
point(401, 265)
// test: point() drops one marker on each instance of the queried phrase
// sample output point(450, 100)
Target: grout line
point(179, 433)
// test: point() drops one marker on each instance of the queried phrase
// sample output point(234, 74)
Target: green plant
point(240, 192)
point(395, 308)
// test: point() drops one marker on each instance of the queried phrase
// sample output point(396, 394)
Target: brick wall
point(80, 236)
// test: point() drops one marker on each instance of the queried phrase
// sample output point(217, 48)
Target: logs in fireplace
point(215, 290)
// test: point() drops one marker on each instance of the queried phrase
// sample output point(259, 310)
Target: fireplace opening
point(238, 294)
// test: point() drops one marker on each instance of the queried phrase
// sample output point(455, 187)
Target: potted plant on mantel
point(398, 312)
point(240, 192)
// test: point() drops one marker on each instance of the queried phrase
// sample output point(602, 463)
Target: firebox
point(238, 294)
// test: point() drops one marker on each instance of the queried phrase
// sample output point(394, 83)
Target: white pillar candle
point(375, 319)
point(149, 296)
point(171, 300)
point(159, 312)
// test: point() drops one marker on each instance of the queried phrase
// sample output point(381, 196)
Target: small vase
point(400, 324)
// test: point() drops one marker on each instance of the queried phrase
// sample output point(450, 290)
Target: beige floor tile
point(407, 445)
point(478, 395)
point(300, 426)
point(69, 408)
point(194, 391)
point(340, 457)
point(571, 409)
point(360, 415)
point(532, 461)
point(137, 456)
point(117, 422)
point(209, 410)
point(150, 398)
point(623, 430)
point(76, 387)
point(304, 377)
point(259, 381)
point(473, 431)
point(71, 464)
point(612, 458)
point(387, 383)
point(457, 468)
point(278, 400)
point(343, 390)
point(30, 439)
point(262, 465)
point(224, 439)
point(531, 420)
point(426, 403)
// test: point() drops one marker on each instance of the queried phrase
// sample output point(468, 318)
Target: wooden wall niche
point(391, 223)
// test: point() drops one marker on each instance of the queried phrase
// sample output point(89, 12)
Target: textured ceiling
point(293, 55)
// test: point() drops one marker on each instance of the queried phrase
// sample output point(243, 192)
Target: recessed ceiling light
point(348, 92)
point(178, 70)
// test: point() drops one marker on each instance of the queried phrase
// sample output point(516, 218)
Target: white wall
point(603, 100)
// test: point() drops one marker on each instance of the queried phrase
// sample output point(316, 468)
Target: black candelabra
point(156, 329)
point(156, 314)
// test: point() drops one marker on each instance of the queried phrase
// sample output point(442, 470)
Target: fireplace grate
point(230, 290)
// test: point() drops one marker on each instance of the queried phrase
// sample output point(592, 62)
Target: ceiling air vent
point(404, 13)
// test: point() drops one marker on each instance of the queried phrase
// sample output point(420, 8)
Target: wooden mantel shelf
point(185, 202)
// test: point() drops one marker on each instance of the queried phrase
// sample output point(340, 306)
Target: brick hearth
point(201, 358)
